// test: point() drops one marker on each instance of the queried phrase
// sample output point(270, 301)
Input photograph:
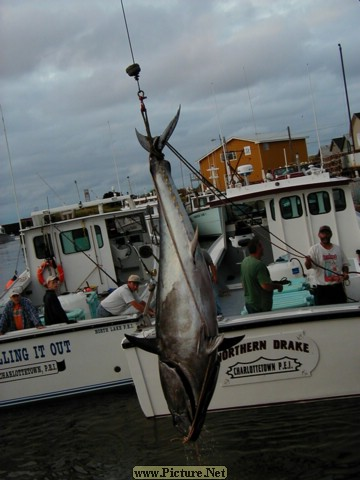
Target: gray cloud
point(235, 67)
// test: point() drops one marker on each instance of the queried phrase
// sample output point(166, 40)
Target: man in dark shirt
point(53, 310)
point(258, 286)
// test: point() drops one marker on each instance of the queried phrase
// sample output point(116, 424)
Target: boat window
point(319, 203)
point(290, 207)
point(74, 241)
point(272, 210)
point(43, 246)
point(339, 199)
point(99, 237)
point(125, 225)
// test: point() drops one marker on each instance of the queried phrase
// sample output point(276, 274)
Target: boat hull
point(63, 360)
point(290, 356)
point(209, 221)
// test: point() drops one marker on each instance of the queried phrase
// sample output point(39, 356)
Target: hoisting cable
point(134, 71)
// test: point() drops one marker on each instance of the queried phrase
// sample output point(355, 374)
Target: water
point(104, 435)
point(11, 259)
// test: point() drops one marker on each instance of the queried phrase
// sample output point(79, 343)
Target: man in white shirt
point(331, 268)
point(122, 298)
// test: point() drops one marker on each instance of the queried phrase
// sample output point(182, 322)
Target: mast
point(347, 98)
point(11, 170)
point(222, 142)
point(315, 119)
point(13, 185)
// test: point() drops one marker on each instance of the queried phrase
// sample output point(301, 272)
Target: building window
point(229, 156)
point(247, 150)
point(266, 146)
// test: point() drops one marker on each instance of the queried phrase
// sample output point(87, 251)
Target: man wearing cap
point(122, 298)
point(331, 268)
point(53, 310)
point(19, 313)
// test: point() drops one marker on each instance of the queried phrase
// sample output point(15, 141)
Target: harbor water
point(105, 435)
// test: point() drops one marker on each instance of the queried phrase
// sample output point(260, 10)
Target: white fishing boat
point(298, 351)
point(93, 247)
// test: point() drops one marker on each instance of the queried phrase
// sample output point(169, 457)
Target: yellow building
point(262, 155)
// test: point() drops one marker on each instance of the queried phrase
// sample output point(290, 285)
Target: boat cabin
point(97, 245)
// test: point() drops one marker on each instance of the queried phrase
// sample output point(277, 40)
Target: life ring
point(59, 271)
point(10, 282)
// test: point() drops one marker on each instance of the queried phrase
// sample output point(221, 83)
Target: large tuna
point(186, 326)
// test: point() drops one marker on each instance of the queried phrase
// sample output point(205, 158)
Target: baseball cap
point(325, 228)
point(134, 278)
point(15, 291)
point(51, 278)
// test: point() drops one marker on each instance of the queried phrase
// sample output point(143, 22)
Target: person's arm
point(265, 281)
point(270, 287)
point(308, 262)
point(141, 307)
point(34, 315)
point(345, 271)
point(213, 273)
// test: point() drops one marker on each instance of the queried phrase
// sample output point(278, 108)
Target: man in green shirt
point(258, 286)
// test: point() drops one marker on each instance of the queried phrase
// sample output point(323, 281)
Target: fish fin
point(159, 142)
point(230, 342)
point(144, 141)
point(214, 343)
point(147, 344)
point(165, 136)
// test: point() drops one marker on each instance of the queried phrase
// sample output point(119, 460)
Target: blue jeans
point(101, 312)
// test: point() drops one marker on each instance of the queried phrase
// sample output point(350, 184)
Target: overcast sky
point(237, 67)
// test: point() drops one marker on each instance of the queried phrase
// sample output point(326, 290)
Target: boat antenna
point(222, 138)
point(315, 118)
point(114, 158)
point(51, 188)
